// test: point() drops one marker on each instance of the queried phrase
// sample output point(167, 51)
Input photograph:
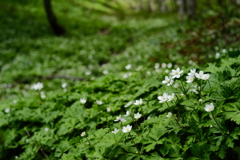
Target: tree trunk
point(162, 5)
point(181, 11)
point(191, 8)
point(58, 30)
point(151, 5)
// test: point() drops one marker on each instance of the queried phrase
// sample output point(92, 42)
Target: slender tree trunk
point(181, 12)
point(151, 5)
point(191, 8)
point(58, 29)
point(162, 5)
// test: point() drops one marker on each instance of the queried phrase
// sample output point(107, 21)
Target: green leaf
point(232, 112)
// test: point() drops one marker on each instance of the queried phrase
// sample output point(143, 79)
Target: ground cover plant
point(188, 113)
point(133, 88)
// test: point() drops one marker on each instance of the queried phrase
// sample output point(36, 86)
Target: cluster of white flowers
point(166, 98)
point(119, 118)
point(126, 75)
point(191, 76)
point(138, 102)
point(169, 80)
point(126, 129)
point(37, 86)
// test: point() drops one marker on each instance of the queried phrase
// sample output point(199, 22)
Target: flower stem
point(88, 141)
point(217, 123)
point(175, 118)
point(134, 143)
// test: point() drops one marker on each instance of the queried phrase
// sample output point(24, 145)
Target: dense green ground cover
point(100, 70)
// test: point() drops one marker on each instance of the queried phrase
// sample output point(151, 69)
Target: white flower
point(83, 133)
point(7, 110)
point(166, 71)
point(126, 75)
point(164, 65)
point(199, 75)
point(129, 66)
point(148, 117)
point(206, 76)
point(46, 129)
point(217, 55)
point(169, 65)
point(171, 97)
point(176, 73)
point(167, 80)
point(176, 85)
point(127, 113)
point(202, 76)
point(138, 102)
point(200, 100)
point(209, 107)
point(122, 120)
point(83, 100)
point(108, 109)
point(169, 115)
point(190, 79)
point(192, 72)
point(37, 86)
point(64, 85)
point(158, 70)
point(88, 73)
point(16, 157)
point(193, 90)
point(163, 98)
point(128, 104)
point(148, 72)
point(99, 102)
point(224, 51)
point(156, 65)
point(137, 116)
point(105, 72)
point(119, 118)
point(127, 129)
point(15, 101)
point(115, 130)
point(139, 68)
point(42, 95)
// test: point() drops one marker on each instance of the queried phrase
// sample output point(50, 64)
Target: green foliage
point(86, 118)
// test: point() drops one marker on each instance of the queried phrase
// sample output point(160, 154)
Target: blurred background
point(68, 41)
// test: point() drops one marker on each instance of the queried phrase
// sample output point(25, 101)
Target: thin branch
point(36, 144)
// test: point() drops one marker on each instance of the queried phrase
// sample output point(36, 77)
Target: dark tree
point(58, 29)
